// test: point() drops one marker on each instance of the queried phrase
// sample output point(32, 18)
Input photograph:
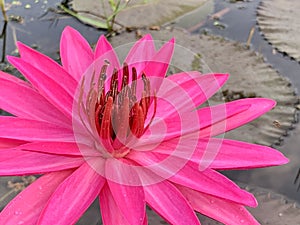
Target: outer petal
point(110, 211)
point(141, 53)
point(9, 143)
point(105, 55)
point(185, 173)
point(48, 66)
point(48, 87)
point(168, 202)
point(35, 107)
point(177, 101)
point(159, 64)
point(76, 53)
point(240, 155)
point(200, 87)
point(220, 154)
point(212, 182)
point(31, 130)
point(214, 122)
point(224, 211)
point(26, 207)
point(34, 163)
point(105, 50)
point(155, 68)
point(72, 197)
point(60, 148)
point(130, 199)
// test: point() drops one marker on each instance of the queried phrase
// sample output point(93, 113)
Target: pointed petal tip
point(252, 201)
point(262, 103)
point(281, 159)
point(147, 37)
point(11, 59)
point(267, 102)
point(172, 40)
point(226, 75)
point(20, 44)
point(68, 28)
point(222, 77)
point(103, 38)
point(24, 48)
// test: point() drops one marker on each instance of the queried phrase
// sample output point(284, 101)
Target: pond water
point(41, 27)
point(238, 22)
point(39, 24)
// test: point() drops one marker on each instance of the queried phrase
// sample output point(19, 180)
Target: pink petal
point(56, 148)
point(221, 210)
point(141, 53)
point(49, 67)
point(216, 153)
point(110, 211)
point(35, 107)
point(34, 163)
point(26, 207)
point(48, 87)
point(159, 64)
point(224, 117)
point(176, 103)
point(213, 183)
point(170, 204)
point(181, 171)
point(130, 199)
point(31, 130)
point(76, 53)
point(200, 87)
point(72, 197)
point(105, 50)
point(105, 55)
point(240, 155)
point(9, 143)
point(211, 121)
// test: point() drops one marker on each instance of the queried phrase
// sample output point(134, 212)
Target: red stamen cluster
point(118, 114)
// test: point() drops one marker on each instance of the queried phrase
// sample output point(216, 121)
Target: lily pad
point(250, 77)
point(279, 22)
point(138, 13)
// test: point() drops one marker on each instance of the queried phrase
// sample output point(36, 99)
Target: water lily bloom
point(125, 134)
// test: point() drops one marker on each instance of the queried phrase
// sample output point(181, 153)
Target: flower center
point(119, 116)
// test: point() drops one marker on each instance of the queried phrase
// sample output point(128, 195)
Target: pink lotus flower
point(127, 135)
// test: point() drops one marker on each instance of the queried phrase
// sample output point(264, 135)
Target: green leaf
point(112, 4)
point(93, 22)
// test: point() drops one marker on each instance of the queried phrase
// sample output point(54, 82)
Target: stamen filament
point(117, 113)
